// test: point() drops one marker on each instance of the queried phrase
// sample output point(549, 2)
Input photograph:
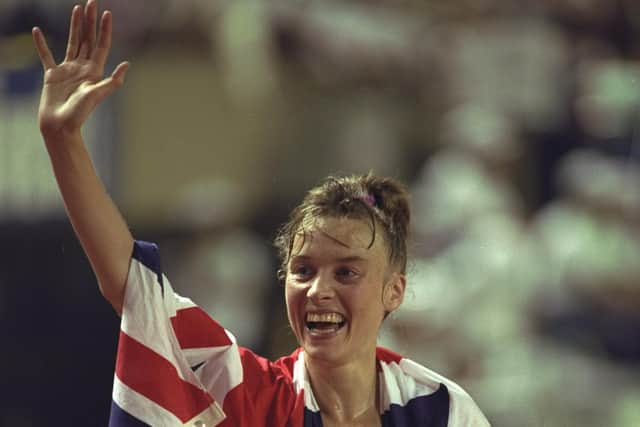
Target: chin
point(329, 351)
point(327, 354)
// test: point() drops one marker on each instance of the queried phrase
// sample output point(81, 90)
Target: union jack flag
point(176, 366)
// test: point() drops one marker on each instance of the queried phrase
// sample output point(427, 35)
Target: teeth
point(325, 317)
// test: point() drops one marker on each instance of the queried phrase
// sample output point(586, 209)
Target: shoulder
point(281, 369)
point(291, 367)
point(409, 380)
point(267, 388)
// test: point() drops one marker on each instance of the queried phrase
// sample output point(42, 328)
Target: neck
point(344, 392)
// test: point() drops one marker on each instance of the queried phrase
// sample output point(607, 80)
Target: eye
point(301, 271)
point(346, 273)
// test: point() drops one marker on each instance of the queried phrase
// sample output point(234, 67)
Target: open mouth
point(324, 323)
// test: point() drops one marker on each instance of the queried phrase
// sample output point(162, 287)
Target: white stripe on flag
point(144, 318)
point(140, 407)
point(153, 414)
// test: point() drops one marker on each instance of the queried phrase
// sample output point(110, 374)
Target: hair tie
point(369, 199)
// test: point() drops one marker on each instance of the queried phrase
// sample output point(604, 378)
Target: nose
point(320, 289)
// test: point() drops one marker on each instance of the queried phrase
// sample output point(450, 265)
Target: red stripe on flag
point(195, 329)
point(154, 377)
point(266, 397)
point(388, 356)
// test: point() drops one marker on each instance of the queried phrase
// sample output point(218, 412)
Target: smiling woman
point(344, 256)
point(343, 263)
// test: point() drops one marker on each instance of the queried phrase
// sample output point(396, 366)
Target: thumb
point(109, 85)
point(120, 71)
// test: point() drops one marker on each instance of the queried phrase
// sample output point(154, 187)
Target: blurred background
point(514, 123)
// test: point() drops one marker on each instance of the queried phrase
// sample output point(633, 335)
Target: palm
point(73, 88)
point(66, 91)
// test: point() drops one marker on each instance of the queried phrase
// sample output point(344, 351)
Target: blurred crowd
point(515, 125)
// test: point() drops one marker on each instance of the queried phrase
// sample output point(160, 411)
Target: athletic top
point(176, 366)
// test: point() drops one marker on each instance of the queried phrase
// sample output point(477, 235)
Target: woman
point(343, 264)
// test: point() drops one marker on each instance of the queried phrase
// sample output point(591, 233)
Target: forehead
point(340, 237)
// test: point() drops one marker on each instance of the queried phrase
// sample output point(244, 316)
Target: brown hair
point(382, 201)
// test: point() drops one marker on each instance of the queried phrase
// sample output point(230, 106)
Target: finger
point(75, 30)
point(86, 45)
point(90, 20)
point(107, 86)
point(104, 40)
point(120, 72)
point(43, 49)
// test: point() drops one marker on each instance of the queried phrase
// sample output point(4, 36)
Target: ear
point(393, 293)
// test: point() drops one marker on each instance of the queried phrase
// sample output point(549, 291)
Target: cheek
point(292, 297)
point(367, 303)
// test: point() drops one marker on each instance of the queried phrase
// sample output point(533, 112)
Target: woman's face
point(338, 288)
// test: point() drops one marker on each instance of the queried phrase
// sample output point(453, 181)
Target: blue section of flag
point(119, 418)
point(426, 411)
point(312, 419)
point(149, 255)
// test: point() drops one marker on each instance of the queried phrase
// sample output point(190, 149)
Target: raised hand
point(73, 88)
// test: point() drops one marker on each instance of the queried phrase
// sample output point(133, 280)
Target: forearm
point(102, 231)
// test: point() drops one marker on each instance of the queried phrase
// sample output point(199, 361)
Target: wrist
point(60, 137)
point(62, 145)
